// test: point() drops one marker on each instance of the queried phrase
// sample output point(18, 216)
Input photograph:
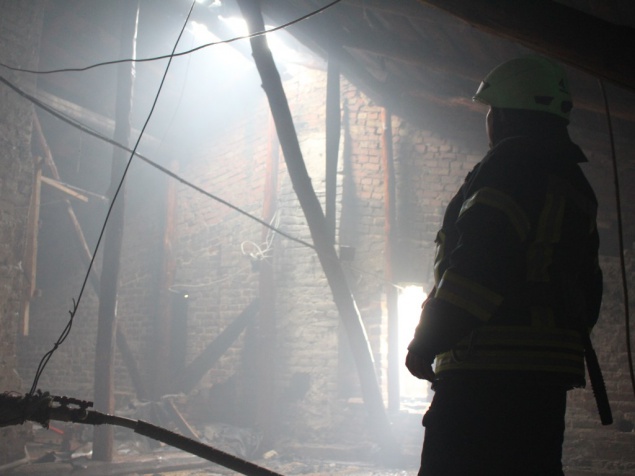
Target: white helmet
point(532, 83)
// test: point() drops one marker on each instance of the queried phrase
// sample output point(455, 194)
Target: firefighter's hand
point(420, 367)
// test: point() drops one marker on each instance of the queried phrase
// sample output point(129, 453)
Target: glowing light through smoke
point(409, 306)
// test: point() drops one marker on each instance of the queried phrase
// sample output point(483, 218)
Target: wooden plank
point(180, 421)
point(197, 369)
point(102, 124)
point(30, 253)
point(103, 438)
point(390, 222)
point(60, 186)
point(333, 128)
point(48, 159)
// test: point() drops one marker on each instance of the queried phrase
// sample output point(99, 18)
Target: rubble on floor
point(65, 449)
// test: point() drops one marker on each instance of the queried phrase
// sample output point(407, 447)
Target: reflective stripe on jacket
point(519, 349)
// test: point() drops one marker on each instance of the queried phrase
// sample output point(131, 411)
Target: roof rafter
point(586, 42)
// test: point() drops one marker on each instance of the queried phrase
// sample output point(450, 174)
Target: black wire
point(620, 235)
point(45, 359)
point(173, 54)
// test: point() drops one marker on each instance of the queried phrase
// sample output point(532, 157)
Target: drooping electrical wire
point(45, 359)
point(261, 252)
point(620, 234)
point(174, 54)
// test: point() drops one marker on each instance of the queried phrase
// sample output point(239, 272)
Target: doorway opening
point(414, 393)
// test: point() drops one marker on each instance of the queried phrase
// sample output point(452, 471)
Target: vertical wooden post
point(333, 126)
point(162, 366)
point(389, 247)
point(310, 204)
point(107, 317)
point(267, 292)
point(30, 253)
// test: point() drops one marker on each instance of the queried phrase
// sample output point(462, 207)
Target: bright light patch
point(223, 53)
point(277, 41)
point(409, 306)
point(201, 33)
point(237, 25)
point(410, 299)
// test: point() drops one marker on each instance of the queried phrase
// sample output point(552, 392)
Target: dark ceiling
point(415, 55)
point(407, 54)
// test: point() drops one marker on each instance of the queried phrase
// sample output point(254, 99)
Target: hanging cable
point(173, 54)
point(45, 359)
point(620, 235)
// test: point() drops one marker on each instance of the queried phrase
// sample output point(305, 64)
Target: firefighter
point(517, 283)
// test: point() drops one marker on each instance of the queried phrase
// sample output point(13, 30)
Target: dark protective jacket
point(516, 268)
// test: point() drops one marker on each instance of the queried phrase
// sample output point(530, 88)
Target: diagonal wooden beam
point(586, 42)
point(85, 255)
point(56, 184)
point(342, 296)
point(197, 369)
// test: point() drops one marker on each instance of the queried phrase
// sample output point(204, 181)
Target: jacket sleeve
point(440, 327)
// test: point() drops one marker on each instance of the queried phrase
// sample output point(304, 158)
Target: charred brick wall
point(589, 446)
point(19, 48)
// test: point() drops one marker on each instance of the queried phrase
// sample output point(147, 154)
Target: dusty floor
point(182, 464)
point(48, 455)
point(45, 456)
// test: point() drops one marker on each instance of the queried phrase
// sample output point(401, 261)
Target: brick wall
point(589, 446)
point(19, 48)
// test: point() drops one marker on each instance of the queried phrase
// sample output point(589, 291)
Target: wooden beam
point(86, 256)
point(333, 134)
point(30, 253)
point(586, 42)
point(312, 34)
point(197, 369)
point(320, 35)
point(301, 182)
point(102, 124)
point(390, 222)
point(265, 326)
point(104, 386)
point(50, 162)
point(63, 188)
point(440, 93)
point(163, 366)
point(402, 8)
